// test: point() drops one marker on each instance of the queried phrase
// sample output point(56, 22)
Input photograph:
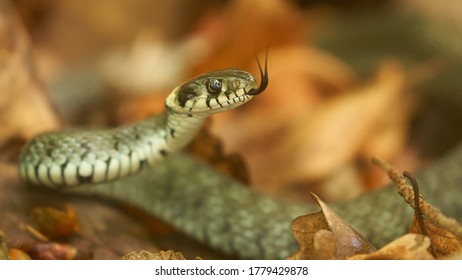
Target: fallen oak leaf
point(408, 247)
point(324, 235)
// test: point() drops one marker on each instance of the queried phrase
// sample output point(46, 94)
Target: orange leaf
point(55, 223)
point(16, 254)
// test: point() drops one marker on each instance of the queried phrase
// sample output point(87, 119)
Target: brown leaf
point(311, 148)
point(55, 223)
point(304, 228)
point(16, 254)
point(324, 235)
point(24, 107)
point(407, 247)
point(161, 255)
point(444, 243)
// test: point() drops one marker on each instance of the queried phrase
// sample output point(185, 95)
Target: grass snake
point(213, 209)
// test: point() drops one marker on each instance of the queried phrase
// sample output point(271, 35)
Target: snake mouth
point(264, 78)
point(224, 102)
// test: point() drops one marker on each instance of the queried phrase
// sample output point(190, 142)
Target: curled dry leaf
point(55, 223)
point(408, 247)
point(444, 244)
point(161, 255)
point(324, 235)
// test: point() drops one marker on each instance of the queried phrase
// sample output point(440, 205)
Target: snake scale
point(213, 209)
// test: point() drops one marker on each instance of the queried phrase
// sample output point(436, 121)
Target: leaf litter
point(432, 235)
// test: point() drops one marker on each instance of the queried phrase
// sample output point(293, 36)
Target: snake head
point(216, 91)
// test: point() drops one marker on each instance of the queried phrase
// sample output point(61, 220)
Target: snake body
point(209, 207)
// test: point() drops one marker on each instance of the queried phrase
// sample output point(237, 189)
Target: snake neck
point(180, 128)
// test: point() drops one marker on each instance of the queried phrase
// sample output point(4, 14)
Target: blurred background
point(349, 80)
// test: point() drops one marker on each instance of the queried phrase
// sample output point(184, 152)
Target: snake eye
point(214, 86)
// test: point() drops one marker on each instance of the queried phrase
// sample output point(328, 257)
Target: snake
point(214, 209)
point(70, 158)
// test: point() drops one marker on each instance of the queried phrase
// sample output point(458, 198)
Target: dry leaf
point(24, 107)
point(55, 223)
point(407, 247)
point(304, 228)
point(444, 243)
point(16, 254)
point(390, 140)
point(324, 235)
point(258, 24)
point(161, 255)
point(322, 141)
